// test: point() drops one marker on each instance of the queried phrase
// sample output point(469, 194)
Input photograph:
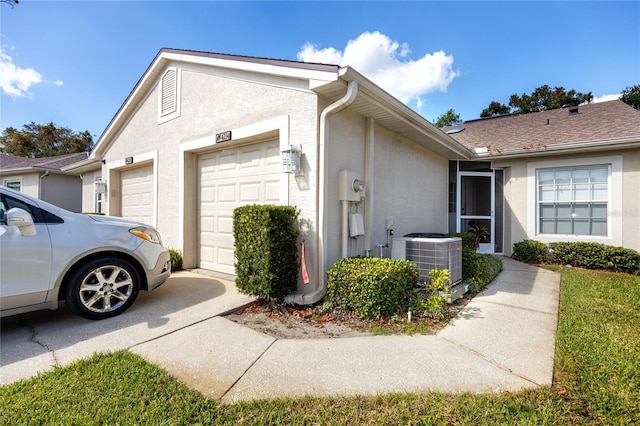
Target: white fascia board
point(375, 94)
point(568, 148)
point(257, 67)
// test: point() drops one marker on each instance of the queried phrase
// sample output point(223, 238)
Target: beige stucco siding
point(212, 104)
point(624, 206)
point(631, 200)
point(411, 184)
point(30, 182)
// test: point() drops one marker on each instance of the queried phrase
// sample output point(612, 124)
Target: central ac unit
point(428, 251)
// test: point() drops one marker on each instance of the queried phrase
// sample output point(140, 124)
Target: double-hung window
point(573, 200)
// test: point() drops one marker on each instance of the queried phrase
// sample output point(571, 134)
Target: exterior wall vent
point(169, 95)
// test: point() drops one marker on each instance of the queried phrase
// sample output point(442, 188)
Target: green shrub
point(468, 239)
point(433, 306)
point(176, 259)
point(530, 251)
point(487, 268)
point(265, 242)
point(592, 255)
point(469, 263)
point(371, 287)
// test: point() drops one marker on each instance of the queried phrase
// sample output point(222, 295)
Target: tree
point(544, 98)
point(449, 118)
point(631, 96)
point(37, 140)
point(494, 109)
point(11, 3)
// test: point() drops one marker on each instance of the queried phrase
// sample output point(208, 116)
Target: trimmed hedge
point(531, 251)
point(487, 267)
point(477, 269)
point(596, 256)
point(265, 242)
point(371, 287)
point(176, 259)
point(587, 255)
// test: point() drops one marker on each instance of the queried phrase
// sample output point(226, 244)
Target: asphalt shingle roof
point(12, 162)
point(613, 120)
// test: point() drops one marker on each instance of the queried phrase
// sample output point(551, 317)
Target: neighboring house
point(570, 174)
point(44, 178)
point(202, 133)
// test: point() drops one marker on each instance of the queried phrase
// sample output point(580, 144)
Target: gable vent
point(169, 92)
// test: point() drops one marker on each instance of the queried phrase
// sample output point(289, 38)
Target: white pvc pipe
point(322, 183)
point(368, 178)
point(345, 229)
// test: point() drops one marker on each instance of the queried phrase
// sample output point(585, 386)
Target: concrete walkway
point(503, 340)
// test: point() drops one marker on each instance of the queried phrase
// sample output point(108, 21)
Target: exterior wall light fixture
point(291, 159)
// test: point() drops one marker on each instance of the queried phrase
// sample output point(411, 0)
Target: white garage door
point(228, 179)
point(137, 194)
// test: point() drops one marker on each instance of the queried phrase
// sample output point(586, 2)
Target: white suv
point(97, 264)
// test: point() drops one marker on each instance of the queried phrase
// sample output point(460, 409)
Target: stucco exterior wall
point(409, 184)
point(30, 182)
point(624, 204)
point(88, 191)
point(63, 191)
point(212, 104)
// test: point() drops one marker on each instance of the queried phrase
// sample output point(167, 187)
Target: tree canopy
point(449, 118)
point(631, 96)
point(48, 140)
point(544, 98)
point(495, 108)
point(541, 99)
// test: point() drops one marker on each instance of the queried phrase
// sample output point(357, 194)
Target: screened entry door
point(475, 207)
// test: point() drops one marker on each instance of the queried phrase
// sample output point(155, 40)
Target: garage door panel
point(244, 175)
point(249, 160)
point(225, 226)
point(250, 192)
point(137, 194)
point(226, 258)
point(272, 191)
point(273, 156)
point(227, 193)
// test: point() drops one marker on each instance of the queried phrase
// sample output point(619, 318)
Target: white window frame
point(614, 202)
point(10, 181)
point(174, 111)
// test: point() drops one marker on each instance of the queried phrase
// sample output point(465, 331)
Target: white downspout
point(322, 182)
point(368, 178)
point(44, 175)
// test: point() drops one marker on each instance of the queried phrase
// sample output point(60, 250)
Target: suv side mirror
point(22, 220)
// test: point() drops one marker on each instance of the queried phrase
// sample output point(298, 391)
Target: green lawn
point(597, 382)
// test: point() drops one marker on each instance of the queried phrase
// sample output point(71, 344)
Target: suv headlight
point(148, 234)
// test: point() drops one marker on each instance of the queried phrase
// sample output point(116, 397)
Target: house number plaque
point(223, 137)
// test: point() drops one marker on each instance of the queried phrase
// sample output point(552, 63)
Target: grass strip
point(597, 381)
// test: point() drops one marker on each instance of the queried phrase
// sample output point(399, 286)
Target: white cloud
point(16, 81)
point(605, 98)
point(387, 63)
point(58, 82)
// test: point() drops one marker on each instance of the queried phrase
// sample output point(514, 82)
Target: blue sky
point(74, 62)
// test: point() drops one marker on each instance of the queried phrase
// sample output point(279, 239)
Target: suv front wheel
point(102, 288)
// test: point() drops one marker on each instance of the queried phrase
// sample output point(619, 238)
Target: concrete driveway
point(503, 340)
point(36, 342)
